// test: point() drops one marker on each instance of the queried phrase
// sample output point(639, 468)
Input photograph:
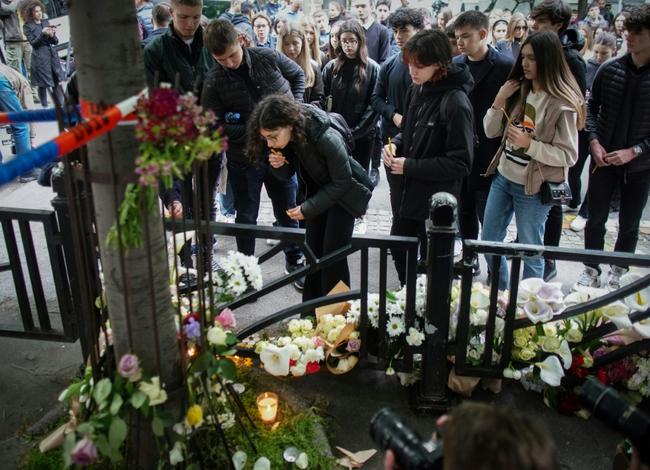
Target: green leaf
point(102, 445)
point(390, 296)
point(193, 466)
point(157, 426)
point(102, 391)
point(68, 445)
point(117, 433)
point(85, 428)
point(116, 404)
point(201, 363)
point(231, 339)
point(138, 399)
point(72, 391)
point(166, 417)
point(227, 369)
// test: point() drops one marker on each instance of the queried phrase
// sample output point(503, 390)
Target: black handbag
point(555, 194)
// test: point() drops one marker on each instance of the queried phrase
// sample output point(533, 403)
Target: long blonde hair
point(314, 48)
point(553, 74)
point(514, 19)
point(304, 58)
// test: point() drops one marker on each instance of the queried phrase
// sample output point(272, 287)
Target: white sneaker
point(272, 241)
point(614, 277)
point(458, 248)
point(360, 226)
point(590, 277)
point(578, 224)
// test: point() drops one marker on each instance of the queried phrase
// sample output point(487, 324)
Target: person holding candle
point(296, 138)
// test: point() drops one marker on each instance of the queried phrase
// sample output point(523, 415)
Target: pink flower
point(318, 342)
point(129, 367)
point(226, 318)
point(84, 453)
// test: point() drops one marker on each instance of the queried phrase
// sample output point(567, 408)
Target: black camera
point(608, 405)
point(411, 453)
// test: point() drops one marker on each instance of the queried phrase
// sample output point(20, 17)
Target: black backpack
point(339, 125)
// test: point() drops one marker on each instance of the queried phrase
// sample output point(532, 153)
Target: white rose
point(573, 335)
point(217, 336)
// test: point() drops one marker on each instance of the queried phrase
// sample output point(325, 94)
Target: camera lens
point(389, 432)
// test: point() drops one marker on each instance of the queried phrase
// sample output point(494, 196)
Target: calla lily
point(617, 313)
point(528, 289)
point(643, 328)
point(550, 371)
point(640, 301)
point(565, 354)
point(479, 300)
point(239, 459)
point(550, 292)
point(575, 298)
point(276, 360)
point(538, 311)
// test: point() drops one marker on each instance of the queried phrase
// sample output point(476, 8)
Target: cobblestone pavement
point(379, 222)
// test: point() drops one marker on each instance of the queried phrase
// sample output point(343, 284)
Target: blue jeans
point(227, 201)
point(9, 102)
point(506, 198)
point(246, 181)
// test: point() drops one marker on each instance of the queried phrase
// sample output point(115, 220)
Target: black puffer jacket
point(325, 158)
point(354, 105)
point(605, 109)
point(438, 144)
point(225, 91)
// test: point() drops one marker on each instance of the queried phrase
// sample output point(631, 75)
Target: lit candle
point(267, 404)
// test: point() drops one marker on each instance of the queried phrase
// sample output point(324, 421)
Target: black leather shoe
point(550, 270)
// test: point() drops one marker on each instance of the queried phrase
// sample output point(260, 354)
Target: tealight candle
point(267, 405)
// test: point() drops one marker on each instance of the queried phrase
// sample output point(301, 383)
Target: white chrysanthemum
point(373, 319)
point(314, 355)
point(415, 337)
point(395, 327)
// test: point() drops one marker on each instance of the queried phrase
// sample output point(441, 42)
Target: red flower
point(313, 367)
point(602, 375)
point(576, 366)
point(292, 362)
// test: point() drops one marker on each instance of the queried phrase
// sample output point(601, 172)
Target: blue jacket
point(486, 87)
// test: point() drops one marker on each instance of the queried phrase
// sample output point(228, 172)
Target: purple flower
point(129, 367)
point(192, 330)
point(353, 345)
point(84, 453)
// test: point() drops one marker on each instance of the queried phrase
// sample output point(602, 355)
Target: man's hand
point(387, 154)
point(518, 137)
point(397, 120)
point(619, 157)
point(296, 213)
point(598, 153)
point(397, 166)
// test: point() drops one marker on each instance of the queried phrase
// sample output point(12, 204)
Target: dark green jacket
point(325, 158)
point(167, 55)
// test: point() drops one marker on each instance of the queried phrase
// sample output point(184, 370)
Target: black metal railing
point(39, 326)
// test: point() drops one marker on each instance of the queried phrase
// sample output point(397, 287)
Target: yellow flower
point(527, 354)
point(194, 416)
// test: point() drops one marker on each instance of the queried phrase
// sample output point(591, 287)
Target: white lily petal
point(538, 311)
point(617, 313)
point(565, 354)
point(262, 464)
point(550, 371)
point(575, 298)
point(276, 360)
point(239, 459)
point(528, 290)
point(643, 328)
point(479, 300)
point(550, 292)
point(639, 301)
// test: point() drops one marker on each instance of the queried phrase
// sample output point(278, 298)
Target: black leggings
point(57, 91)
point(407, 228)
point(363, 150)
point(325, 233)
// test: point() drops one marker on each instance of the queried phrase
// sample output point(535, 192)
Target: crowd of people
point(492, 109)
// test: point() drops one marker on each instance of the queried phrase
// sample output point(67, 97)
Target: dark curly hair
point(639, 19)
point(26, 9)
point(403, 17)
point(428, 47)
point(271, 113)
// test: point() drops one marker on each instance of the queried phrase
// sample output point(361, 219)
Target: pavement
point(32, 373)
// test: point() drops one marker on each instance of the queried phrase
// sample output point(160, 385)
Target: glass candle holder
point(267, 405)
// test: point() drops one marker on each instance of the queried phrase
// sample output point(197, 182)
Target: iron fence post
point(431, 391)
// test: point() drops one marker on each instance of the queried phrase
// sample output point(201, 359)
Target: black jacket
point(592, 68)
point(354, 105)
point(509, 48)
point(325, 159)
point(46, 67)
point(486, 87)
point(390, 91)
point(225, 91)
point(438, 146)
point(605, 109)
point(240, 21)
point(315, 93)
point(167, 56)
point(572, 43)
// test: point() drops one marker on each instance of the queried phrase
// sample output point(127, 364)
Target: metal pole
point(431, 392)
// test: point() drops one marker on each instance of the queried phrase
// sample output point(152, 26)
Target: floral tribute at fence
point(174, 133)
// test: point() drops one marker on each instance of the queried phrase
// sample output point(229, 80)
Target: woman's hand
point(508, 89)
point(276, 159)
point(295, 213)
point(518, 137)
point(388, 154)
point(397, 166)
